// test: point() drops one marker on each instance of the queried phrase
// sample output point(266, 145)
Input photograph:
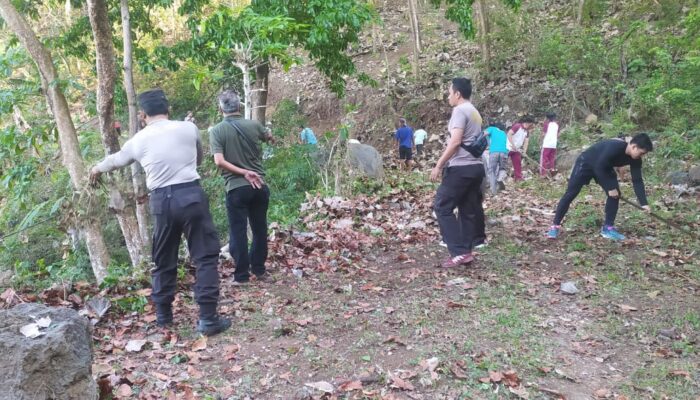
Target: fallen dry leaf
point(399, 383)
point(322, 386)
point(520, 392)
point(625, 308)
point(458, 371)
point(135, 345)
point(199, 344)
point(510, 378)
point(601, 393)
point(350, 386)
point(677, 373)
point(124, 391)
point(495, 376)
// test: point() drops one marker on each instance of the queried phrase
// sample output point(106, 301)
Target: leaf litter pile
point(357, 309)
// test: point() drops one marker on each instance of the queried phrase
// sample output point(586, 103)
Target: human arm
point(120, 159)
point(510, 135)
point(452, 146)
point(638, 183)
point(251, 176)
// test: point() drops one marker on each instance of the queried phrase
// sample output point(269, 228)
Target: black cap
point(153, 102)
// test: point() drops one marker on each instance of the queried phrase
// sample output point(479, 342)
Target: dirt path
point(385, 323)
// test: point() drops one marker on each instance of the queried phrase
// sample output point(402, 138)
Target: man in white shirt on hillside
point(419, 137)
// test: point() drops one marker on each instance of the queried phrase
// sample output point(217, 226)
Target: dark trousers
point(178, 209)
point(246, 204)
point(419, 149)
point(460, 188)
point(581, 176)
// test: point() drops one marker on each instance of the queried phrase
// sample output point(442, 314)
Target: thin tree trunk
point(70, 150)
point(415, 30)
point(579, 14)
point(247, 89)
point(259, 106)
point(120, 203)
point(138, 177)
point(483, 32)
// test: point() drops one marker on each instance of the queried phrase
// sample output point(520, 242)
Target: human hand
point(254, 179)
point(435, 174)
point(95, 177)
point(614, 193)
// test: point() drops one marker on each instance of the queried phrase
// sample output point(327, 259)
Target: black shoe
point(164, 315)
point(211, 327)
point(264, 277)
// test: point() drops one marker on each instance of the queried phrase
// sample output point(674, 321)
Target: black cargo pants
point(178, 209)
point(460, 189)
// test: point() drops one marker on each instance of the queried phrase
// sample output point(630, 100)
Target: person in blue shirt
point(404, 138)
point(498, 155)
point(307, 136)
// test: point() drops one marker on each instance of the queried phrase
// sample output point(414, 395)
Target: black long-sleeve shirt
point(603, 156)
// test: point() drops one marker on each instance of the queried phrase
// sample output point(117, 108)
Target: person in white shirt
point(419, 137)
point(548, 157)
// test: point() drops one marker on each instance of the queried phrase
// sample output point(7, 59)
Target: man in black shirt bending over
point(598, 163)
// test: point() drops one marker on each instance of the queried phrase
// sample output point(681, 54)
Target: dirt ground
point(386, 323)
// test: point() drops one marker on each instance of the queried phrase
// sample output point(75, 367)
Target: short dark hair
point(402, 121)
point(153, 102)
point(643, 141)
point(551, 115)
point(463, 86)
point(527, 120)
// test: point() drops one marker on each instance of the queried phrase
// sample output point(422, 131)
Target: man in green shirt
point(236, 144)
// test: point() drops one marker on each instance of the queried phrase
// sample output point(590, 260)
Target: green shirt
point(243, 152)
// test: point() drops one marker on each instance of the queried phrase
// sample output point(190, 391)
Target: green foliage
point(286, 120)
point(460, 11)
point(290, 172)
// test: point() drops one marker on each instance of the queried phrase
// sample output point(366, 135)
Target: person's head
point(153, 102)
point(402, 122)
point(500, 126)
point(302, 126)
point(229, 103)
point(551, 116)
point(639, 145)
point(460, 90)
point(527, 122)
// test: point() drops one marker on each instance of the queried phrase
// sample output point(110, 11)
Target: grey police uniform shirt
point(167, 151)
point(465, 116)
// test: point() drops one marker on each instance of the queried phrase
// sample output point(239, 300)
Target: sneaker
point(609, 232)
point(264, 277)
point(457, 260)
point(554, 231)
point(214, 326)
point(479, 245)
point(443, 244)
point(239, 283)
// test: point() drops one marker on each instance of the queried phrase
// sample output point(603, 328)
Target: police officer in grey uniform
point(169, 152)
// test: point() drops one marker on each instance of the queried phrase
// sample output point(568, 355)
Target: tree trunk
point(247, 89)
point(259, 106)
point(483, 32)
point(415, 31)
point(120, 203)
point(138, 177)
point(99, 257)
point(579, 14)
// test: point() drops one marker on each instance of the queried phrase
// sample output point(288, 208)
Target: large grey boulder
point(694, 175)
point(55, 365)
point(365, 159)
point(566, 161)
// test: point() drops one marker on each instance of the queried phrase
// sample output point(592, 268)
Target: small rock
point(668, 333)
point(297, 272)
point(568, 288)
point(591, 119)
